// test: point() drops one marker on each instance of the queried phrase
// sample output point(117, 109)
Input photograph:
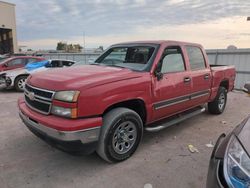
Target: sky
point(213, 23)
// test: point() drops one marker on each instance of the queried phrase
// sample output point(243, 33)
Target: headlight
point(237, 165)
point(65, 112)
point(67, 96)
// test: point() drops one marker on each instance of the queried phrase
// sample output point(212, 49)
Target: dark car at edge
point(230, 160)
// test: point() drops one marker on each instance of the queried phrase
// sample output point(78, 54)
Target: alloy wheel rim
point(222, 100)
point(124, 137)
point(21, 83)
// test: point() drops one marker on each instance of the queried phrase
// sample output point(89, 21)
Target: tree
point(61, 46)
point(101, 48)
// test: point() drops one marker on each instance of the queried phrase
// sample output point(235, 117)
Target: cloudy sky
point(215, 24)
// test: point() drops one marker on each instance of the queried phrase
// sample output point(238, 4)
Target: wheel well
point(136, 105)
point(225, 84)
point(20, 76)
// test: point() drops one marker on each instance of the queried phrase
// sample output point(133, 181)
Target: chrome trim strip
point(37, 99)
point(43, 99)
point(40, 89)
point(181, 99)
point(35, 109)
point(40, 99)
point(85, 136)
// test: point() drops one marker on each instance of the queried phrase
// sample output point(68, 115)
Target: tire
point(120, 136)
point(218, 105)
point(19, 83)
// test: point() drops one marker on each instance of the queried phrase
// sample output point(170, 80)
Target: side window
point(196, 58)
point(56, 63)
point(172, 60)
point(16, 62)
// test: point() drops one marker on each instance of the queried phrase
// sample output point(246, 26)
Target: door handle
point(187, 79)
point(206, 77)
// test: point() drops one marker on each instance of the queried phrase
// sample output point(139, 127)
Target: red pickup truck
point(105, 106)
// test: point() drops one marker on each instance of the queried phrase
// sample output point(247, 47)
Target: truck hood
point(79, 77)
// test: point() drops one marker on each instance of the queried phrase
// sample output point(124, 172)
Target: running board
point(176, 119)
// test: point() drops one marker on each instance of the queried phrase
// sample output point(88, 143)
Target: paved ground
point(162, 159)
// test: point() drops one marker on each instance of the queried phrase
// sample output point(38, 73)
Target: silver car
point(17, 78)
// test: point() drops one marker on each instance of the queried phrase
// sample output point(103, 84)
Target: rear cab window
point(172, 60)
point(196, 58)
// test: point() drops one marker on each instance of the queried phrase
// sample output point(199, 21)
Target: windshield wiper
point(116, 66)
point(94, 64)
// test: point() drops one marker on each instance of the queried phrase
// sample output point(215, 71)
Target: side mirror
point(5, 64)
point(158, 75)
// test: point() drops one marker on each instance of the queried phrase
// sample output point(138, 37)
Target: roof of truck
point(160, 42)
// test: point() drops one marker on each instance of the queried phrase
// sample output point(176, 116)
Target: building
point(8, 39)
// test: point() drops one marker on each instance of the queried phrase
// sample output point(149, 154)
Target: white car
point(17, 78)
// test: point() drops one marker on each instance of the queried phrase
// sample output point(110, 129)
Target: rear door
point(171, 93)
point(200, 75)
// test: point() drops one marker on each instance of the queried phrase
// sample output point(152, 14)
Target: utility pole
point(84, 52)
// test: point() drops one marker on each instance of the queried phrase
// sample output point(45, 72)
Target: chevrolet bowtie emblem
point(31, 96)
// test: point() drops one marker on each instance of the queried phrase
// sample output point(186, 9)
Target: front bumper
point(82, 140)
point(6, 83)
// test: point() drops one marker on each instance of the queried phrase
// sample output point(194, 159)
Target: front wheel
point(218, 105)
point(121, 134)
point(20, 83)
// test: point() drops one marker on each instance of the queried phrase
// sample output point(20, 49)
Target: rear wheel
point(120, 135)
point(218, 105)
point(20, 83)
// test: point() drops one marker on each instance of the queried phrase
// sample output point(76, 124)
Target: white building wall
point(8, 20)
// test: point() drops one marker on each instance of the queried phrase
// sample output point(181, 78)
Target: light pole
point(84, 51)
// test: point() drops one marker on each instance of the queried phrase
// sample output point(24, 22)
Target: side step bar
point(177, 119)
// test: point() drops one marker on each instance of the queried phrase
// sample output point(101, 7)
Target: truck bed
point(221, 73)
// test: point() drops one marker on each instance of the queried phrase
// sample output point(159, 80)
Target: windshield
point(132, 57)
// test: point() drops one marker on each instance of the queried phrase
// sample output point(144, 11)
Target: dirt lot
point(162, 159)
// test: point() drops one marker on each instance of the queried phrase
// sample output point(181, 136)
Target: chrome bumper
point(85, 136)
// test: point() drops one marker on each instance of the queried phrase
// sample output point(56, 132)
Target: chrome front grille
point(38, 99)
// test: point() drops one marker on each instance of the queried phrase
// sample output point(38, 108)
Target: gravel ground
point(161, 160)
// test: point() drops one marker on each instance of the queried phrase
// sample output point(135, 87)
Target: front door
point(171, 93)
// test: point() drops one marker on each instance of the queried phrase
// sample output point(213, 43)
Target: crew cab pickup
point(105, 106)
